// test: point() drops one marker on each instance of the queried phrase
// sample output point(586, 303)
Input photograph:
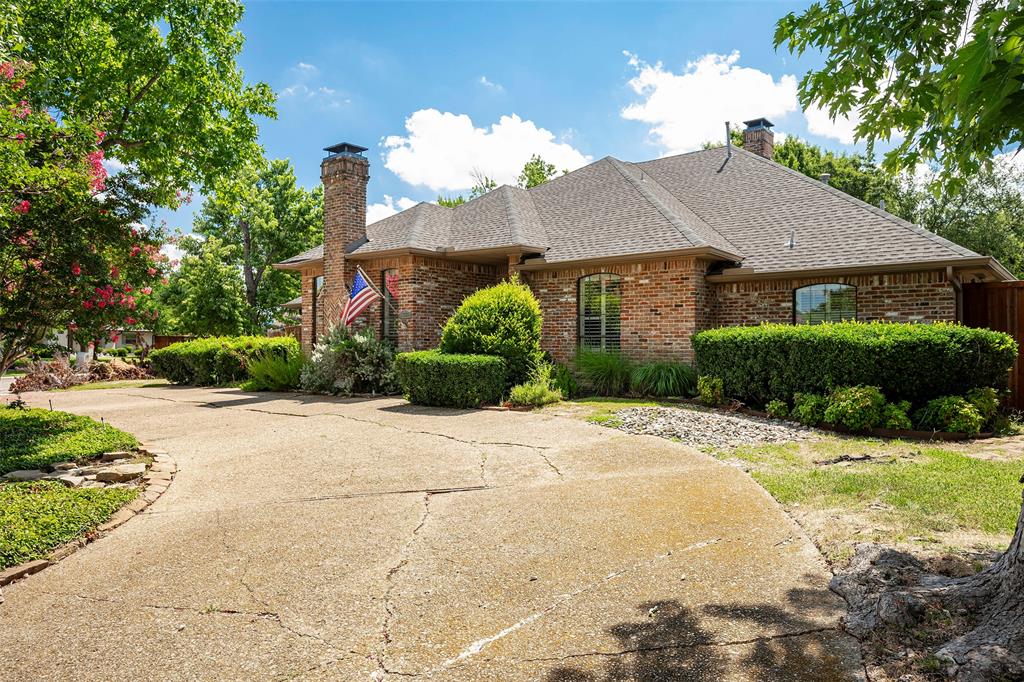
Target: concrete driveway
point(317, 538)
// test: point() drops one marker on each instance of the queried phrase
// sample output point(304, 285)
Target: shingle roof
point(314, 254)
point(757, 204)
point(745, 209)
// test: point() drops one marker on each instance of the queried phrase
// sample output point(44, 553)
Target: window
point(819, 303)
point(318, 285)
point(600, 302)
point(389, 307)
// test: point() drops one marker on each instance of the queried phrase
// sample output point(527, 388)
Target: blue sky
point(438, 90)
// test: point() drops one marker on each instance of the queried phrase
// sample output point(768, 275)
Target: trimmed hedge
point(430, 377)
point(916, 362)
point(217, 360)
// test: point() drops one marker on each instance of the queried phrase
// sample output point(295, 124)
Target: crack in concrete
point(479, 645)
point(382, 424)
point(682, 645)
point(380, 655)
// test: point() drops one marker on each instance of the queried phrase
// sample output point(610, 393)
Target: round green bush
point(503, 320)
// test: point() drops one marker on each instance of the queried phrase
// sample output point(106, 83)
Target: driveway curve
point(316, 538)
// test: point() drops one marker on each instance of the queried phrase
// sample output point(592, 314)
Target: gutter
point(999, 272)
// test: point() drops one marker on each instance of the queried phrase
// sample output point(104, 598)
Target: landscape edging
point(157, 479)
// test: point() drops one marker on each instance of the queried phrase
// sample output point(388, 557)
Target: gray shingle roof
point(314, 254)
point(745, 209)
point(756, 204)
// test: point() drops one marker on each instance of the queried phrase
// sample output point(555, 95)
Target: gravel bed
point(709, 429)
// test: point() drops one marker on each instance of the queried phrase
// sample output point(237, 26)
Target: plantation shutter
point(819, 303)
point(599, 312)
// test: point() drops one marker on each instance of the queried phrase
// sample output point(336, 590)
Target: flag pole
point(381, 294)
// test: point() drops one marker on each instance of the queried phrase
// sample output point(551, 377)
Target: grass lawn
point(39, 516)
point(909, 494)
point(33, 438)
point(130, 383)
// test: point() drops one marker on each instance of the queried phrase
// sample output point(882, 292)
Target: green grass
point(34, 438)
point(923, 491)
point(129, 383)
point(39, 516)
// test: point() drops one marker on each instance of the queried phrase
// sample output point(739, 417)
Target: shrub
point(538, 391)
point(430, 377)
point(777, 409)
point(986, 401)
point(345, 363)
point(664, 379)
point(709, 390)
point(603, 372)
point(858, 408)
point(503, 320)
point(895, 415)
point(950, 413)
point(217, 360)
point(915, 362)
point(274, 373)
point(809, 408)
point(564, 380)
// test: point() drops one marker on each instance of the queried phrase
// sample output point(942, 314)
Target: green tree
point(946, 75)
point(204, 295)
point(267, 216)
point(159, 76)
point(536, 172)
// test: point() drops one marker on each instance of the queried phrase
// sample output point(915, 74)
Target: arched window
point(599, 307)
point(819, 303)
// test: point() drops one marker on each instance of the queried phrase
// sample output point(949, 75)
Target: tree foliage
point(204, 295)
point(946, 76)
point(537, 171)
point(158, 75)
point(266, 216)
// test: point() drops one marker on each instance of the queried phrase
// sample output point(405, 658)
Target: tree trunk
point(885, 587)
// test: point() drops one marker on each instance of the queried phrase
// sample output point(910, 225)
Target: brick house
point(636, 256)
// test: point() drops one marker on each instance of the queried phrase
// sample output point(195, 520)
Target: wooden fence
point(1000, 306)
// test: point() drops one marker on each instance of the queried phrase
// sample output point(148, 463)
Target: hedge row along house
point(636, 257)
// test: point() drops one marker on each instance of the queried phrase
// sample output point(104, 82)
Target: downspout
point(958, 292)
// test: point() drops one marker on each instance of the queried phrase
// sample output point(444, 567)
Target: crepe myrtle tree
point(72, 254)
point(946, 78)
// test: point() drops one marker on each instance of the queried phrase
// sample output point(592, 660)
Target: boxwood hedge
point(217, 360)
point(916, 362)
point(430, 377)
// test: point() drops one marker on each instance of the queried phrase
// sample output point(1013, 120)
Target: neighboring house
point(637, 257)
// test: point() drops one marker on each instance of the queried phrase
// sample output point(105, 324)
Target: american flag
point(362, 295)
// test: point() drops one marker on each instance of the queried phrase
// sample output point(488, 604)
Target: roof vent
point(344, 149)
point(825, 177)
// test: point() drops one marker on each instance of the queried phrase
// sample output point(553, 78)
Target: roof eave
point(297, 265)
point(999, 272)
point(709, 252)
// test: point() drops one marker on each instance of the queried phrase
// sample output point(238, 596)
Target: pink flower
point(101, 304)
point(22, 110)
point(96, 170)
point(127, 288)
point(37, 264)
point(76, 269)
point(99, 136)
point(73, 326)
point(22, 206)
point(147, 290)
point(19, 138)
point(87, 305)
point(151, 271)
point(114, 338)
point(136, 250)
point(129, 320)
point(7, 70)
point(17, 85)
point(114, 272)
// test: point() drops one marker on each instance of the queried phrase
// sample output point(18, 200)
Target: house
point(636, 257)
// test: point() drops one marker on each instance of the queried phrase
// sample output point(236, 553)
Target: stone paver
point(316, 538)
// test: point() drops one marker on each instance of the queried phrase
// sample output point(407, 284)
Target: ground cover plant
point(36, 517)
point(34, 438)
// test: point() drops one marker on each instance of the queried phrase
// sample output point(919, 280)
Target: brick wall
point(432, 289)
point(663, 303)
point(308, 275)
point(898, 297)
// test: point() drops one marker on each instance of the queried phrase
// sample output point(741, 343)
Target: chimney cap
point(755, 124)
point(346, 148)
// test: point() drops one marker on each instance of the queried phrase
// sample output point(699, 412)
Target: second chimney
point(759, 138)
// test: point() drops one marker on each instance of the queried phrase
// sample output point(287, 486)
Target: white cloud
point(689, 108)
point(303, 67)
point(306, 91)
point(842, 128)
point(497, 87)
point(388, 207)
point(442, 150)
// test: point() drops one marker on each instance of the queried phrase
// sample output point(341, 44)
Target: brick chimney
point(759, 138)
point(344, 174)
